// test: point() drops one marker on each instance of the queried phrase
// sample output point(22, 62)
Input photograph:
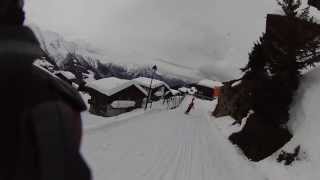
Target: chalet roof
point(209, 83)
point(69, 75)
point(112, 85)
point(183, 89)
point(174, 92)
point(143, 81)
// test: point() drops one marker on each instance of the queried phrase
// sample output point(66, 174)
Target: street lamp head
point(155, 68)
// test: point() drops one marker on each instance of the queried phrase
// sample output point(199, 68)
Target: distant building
point(158, 88)
point(113, 96)
point(207, 89)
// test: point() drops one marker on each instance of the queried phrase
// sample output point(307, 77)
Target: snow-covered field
point(163, 144)
point(169, 145)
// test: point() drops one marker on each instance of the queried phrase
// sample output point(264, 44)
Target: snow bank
point(304, 124)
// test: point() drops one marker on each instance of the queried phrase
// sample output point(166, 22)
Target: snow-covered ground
point(169, 145)
point(304, 125)
point(163, 144)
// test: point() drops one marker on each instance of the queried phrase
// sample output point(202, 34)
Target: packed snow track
point(165, 145)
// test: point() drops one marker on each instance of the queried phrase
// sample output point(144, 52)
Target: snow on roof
point(143, 81)
point(67, 74)
point(112, 85)
point(236, 83)
point(183, 89)
point(174, 92)
point(210, 83)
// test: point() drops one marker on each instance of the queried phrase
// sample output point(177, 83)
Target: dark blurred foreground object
point(40, 115)
point(11, 12)
point(314, 3)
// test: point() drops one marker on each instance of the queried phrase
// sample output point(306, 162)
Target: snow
point(123, 104)
point(304, 124)
point(92, 122)
point(112, 85)
point(163, 144)
point(160, 93)
point(88, 77)
point(67, 74)
point(169, 145)
point(236, 83)
point(210, 83)
point(43, 63)
point(192, 90)
point(143, 81)
point(183, 89)
point(174, 92)
point(58, 47)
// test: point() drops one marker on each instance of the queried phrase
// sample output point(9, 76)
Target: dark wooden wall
point(100, 104)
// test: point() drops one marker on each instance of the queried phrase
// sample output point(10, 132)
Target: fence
point(174, 101)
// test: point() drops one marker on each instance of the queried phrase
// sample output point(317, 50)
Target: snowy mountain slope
point(80, 57)
point(167, 145)
point(58, 47)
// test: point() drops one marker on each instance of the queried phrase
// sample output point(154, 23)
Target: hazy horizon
point(204, 34)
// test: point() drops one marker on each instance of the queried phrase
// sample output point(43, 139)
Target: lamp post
point(154, 69)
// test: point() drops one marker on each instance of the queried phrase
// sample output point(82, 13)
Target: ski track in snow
point(165, 145)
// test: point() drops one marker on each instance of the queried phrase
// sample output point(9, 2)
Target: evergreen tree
point(276, 61)
point(290, 7)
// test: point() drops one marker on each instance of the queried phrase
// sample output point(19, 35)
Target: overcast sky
point(195, 33)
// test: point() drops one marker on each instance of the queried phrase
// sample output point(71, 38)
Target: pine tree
point(290, 7)
point(276, 62)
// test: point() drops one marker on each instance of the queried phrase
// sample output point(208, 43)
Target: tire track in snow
point(165, 145)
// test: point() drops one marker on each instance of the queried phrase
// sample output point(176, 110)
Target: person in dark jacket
point(191, 105)
point(40, 130)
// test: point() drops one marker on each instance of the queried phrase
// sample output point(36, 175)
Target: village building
point(113, 96)
point(158, 88)
point(207, 89)
point(183, 90)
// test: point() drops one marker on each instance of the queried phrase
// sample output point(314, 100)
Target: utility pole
point(154, 69)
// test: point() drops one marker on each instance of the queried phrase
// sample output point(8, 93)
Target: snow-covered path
point(164, 145)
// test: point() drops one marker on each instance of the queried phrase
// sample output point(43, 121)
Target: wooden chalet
point(158, 89)
point(207, 89)
point(113, 96)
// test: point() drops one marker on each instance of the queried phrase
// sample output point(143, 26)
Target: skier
point(40, 115)
point(191, 105)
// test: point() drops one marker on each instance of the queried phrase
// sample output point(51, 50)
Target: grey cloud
point(189, 32)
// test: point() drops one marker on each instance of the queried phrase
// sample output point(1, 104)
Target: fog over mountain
point(206, 35)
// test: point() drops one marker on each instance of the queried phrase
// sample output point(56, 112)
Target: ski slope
point(164, 144)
